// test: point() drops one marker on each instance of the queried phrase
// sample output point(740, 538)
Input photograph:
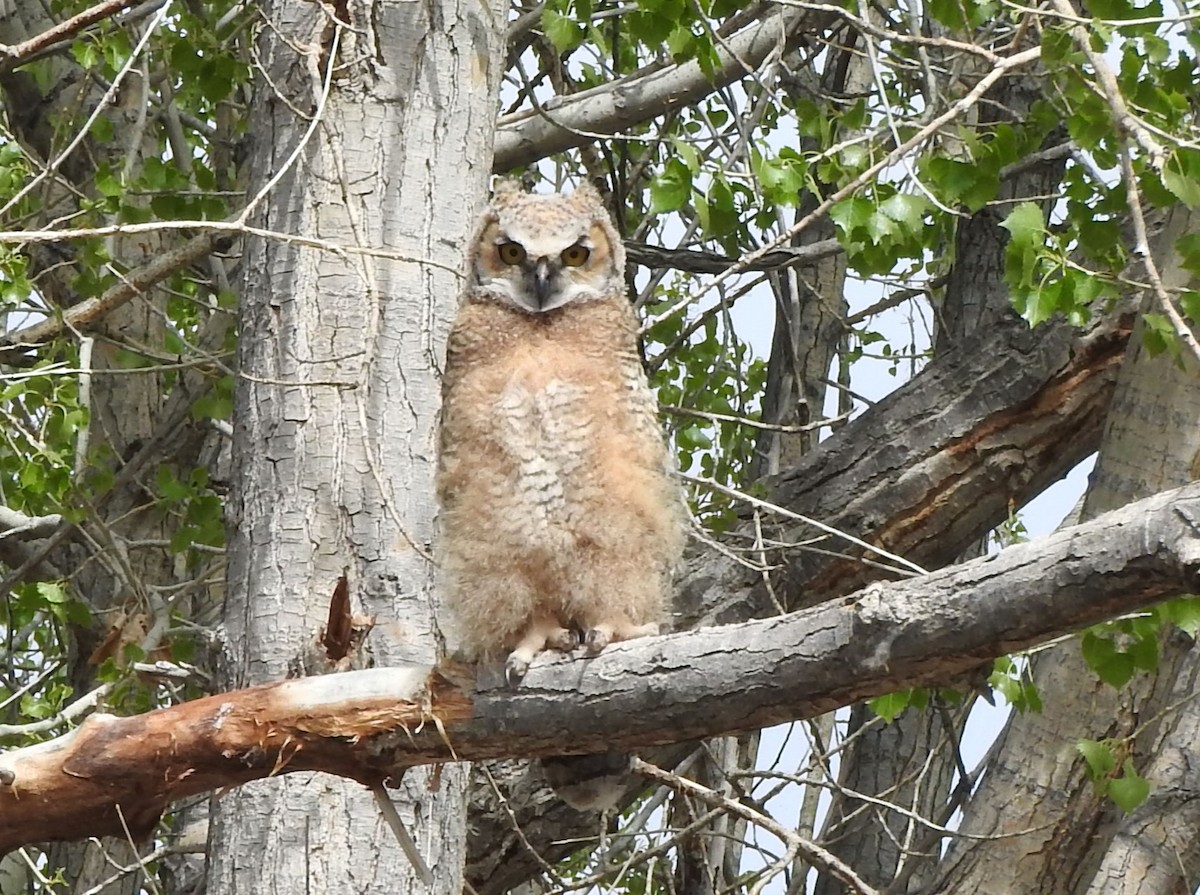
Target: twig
point(957, 108)
point(813, 853)
point(79, 707)
point(18, 54)
point(910, 568)
point(87, 312)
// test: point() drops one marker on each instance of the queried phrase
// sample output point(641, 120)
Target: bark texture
point(339, 395)
point(1075, 840)
point(942, 467)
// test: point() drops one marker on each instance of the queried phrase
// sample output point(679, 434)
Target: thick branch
point(931, 468)
point(570, 121)
point(695, 261)
point(371, 725)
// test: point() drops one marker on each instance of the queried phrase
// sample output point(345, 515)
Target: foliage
point(1112, 770)
point(866, 139)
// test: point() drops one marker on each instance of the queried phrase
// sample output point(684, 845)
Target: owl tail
point(589, 782)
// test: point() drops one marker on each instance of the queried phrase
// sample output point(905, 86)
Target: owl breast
point(558, 506)
point(549, 440)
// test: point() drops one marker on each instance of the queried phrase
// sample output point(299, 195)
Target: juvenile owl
point(560, 520)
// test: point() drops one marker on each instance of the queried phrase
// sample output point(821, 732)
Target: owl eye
point(511, 252)
point(575, 255)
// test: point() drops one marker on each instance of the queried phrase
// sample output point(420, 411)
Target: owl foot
point(541, 634)
point(565, 641)
point(599, 637)
point(514, 670)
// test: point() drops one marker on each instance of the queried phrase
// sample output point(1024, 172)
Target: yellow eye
point(575, 256)
point(511, 252)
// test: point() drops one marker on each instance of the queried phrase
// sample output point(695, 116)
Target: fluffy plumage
point(560, 517)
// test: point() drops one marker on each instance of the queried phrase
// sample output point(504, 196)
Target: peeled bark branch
point(18, 54)
point(372, 725)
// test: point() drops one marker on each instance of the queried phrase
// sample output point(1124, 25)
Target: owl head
point(538, 253)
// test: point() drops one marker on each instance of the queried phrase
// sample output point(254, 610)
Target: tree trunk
point(1073, 840)
point(334, 447)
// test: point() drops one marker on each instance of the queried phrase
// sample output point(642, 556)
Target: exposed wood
point(371, 725)
point(975, 434)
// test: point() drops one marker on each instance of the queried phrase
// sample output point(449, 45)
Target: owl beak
point(543, 281)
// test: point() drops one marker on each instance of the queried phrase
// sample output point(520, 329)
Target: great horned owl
point(560, 518)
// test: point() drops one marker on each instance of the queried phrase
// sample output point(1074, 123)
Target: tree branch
point(693, 261)
point(372, 725)
point(14, 345)
point(18, 54)
point(565, 122)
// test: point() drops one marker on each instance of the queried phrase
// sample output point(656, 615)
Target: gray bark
point(912, 761)
point(336, 409)
point(1076, 841)
point(130, 419)
point(936, 459)
point(566, 122)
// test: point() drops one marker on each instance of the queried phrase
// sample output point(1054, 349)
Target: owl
point(561, 520)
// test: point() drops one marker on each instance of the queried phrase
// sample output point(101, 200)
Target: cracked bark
point(335, 441)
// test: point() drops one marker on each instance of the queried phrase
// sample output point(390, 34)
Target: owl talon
point(565, 640)
point(596, 640)
point(514, 670)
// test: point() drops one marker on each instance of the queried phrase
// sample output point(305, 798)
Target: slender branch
point(566, 122)
point(77, 709)
point(813, 853)
point(18, 54)
point(956, 109)
point(88, 312)
point(692, 261)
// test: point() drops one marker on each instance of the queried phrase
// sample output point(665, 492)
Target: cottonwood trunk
point(335, 411)
point(1061, 836)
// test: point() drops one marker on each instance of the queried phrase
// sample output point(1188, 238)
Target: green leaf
point(1188, 247)
point(1181, 175)
point(681, 43)
point(1143, 652)
point(670, 190)
point(564, 32)
point(1025, 223)
point(1112, 666)
point(906, 210)
point(1184, 613)
point(1130, 789)
point(1099, 757)
point(890, 706)
point(1018, 690)
point(52, 592)
point(693, 438)
point(851, 214)
point(717, 212)
point(1040, 303)
point(782, 178)
point(1158, 334)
